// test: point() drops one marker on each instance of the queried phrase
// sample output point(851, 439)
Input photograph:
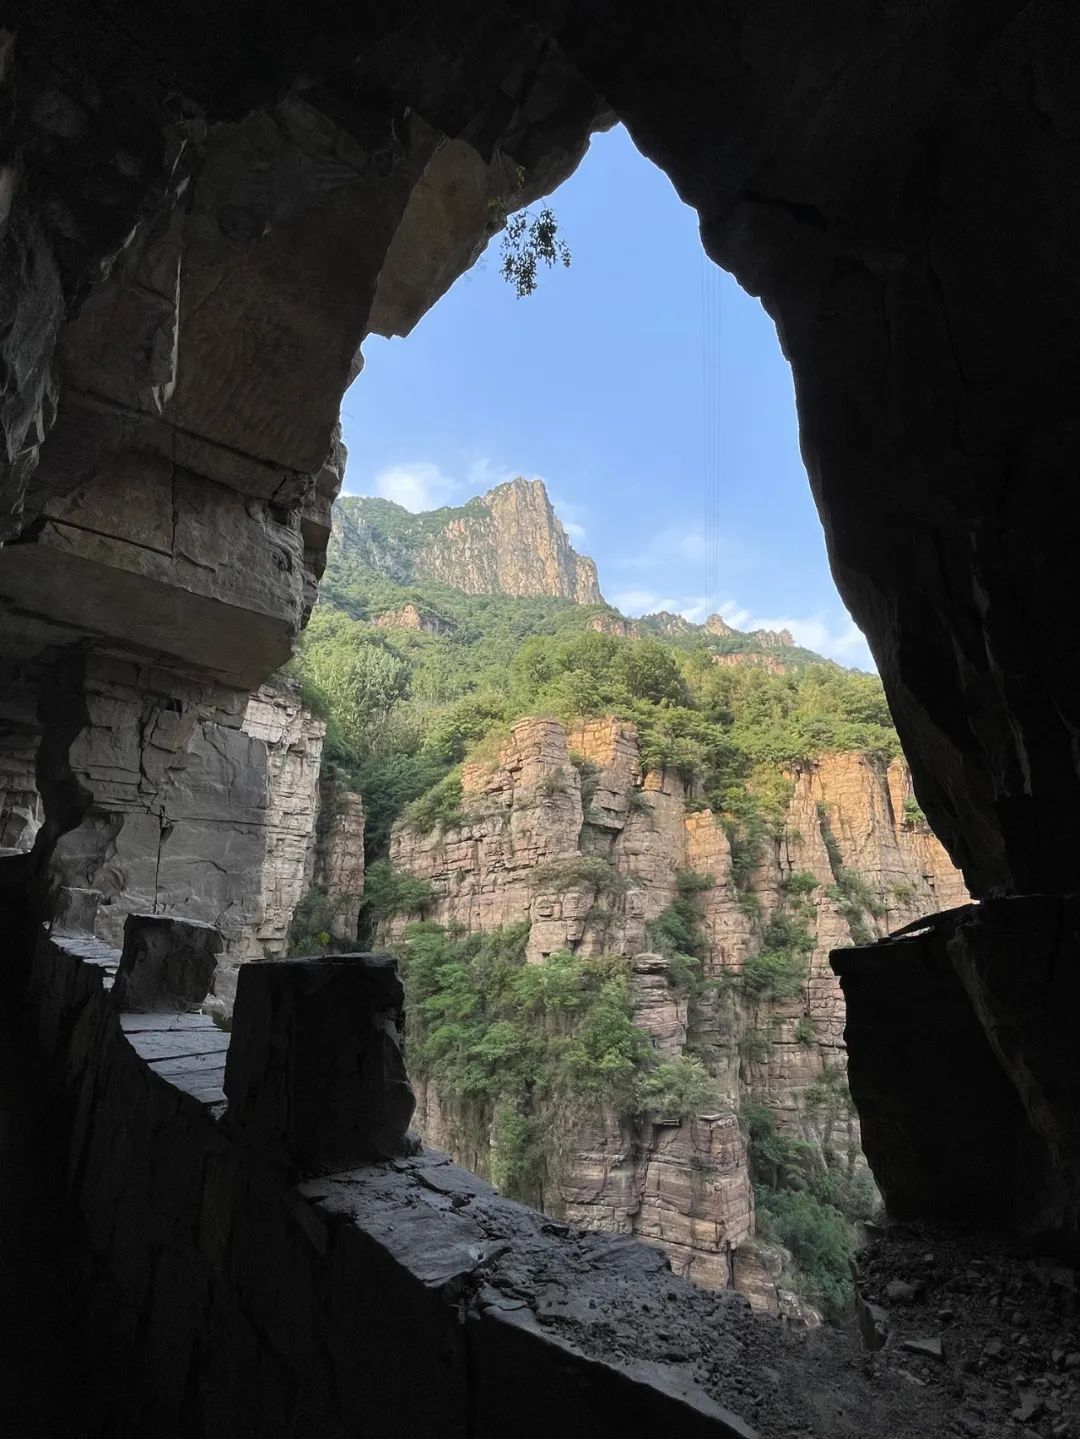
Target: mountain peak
point(509, 541)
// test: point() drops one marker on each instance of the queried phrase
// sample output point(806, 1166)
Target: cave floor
point(989, 1334)
point(44, 1359)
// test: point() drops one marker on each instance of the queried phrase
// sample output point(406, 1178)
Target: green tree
point(361, 679)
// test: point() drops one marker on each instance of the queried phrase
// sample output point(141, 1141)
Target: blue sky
point(600, 384)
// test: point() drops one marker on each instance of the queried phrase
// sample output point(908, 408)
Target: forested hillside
point(408, 702)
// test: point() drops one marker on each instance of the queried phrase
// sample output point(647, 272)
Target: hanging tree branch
point(527, 240)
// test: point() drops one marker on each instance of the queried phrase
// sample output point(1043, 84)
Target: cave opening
point(199, 229)
point(530, 803)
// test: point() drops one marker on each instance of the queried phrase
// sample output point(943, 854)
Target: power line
point(712, 376)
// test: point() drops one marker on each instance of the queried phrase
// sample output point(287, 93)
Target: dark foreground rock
point(964, 1066)
point(300, 1309)
point(166, 963)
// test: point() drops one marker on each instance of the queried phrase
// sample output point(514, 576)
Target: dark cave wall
point(899, 186)
point(201, 217)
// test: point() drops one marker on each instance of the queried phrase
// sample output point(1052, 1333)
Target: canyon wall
point(210, 808)
point(853, 854)
point(190, 264)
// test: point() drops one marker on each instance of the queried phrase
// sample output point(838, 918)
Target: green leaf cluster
point(389, 892)
point(528, 241)
point(808, 1205)
point(523, 1053)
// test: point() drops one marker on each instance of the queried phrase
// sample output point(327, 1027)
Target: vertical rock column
point(293, 739)
point(339, 859)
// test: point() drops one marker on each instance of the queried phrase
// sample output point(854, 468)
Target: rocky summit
point(509, 541)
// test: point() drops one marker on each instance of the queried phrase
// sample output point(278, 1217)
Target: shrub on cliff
point(678, 931)
point(584, 871)
point(821, 1241)
point(441, 807)
point(773, 975)
point(676, 1089)
point(520, 1052)
point(309, 929)
point(806, 1204)
point(780, 968)
point(389, 892)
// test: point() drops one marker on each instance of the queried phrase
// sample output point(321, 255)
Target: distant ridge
point(508, 543)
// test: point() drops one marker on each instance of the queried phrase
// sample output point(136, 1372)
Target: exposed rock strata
point(339, 856)
point(614, 624)
point(683, 1185)
point(769, 663)
point(293, 739)
point(410, 617)
point(205, 810)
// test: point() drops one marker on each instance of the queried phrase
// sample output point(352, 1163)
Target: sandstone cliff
point(507, 542)
point(855, 860)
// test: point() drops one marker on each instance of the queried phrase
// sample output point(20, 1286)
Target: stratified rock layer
point(514, 545)
point(528, 851)
point(205, 811)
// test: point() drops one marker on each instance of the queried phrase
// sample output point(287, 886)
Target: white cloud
point(689, 545)
point(485, 474)
point(649, 602)
point(637, 602)
point(737, 617)
point(845, 644)
point(417, 485)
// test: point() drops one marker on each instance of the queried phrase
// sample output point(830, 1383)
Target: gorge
point(578, 846)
